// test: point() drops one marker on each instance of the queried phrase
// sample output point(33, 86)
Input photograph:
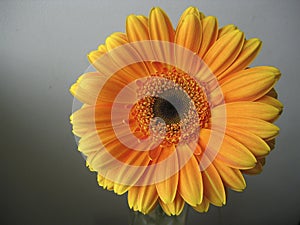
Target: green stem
point(158, 217)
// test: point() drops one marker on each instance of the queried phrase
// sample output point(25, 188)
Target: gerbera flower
point(176, 116)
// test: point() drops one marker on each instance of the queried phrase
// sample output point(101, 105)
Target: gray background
point(43, 47)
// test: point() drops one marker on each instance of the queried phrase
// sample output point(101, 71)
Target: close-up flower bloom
point(201, 116)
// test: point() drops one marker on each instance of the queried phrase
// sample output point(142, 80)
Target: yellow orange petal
point(161, 29)
point(190, 10)
point(78, 130)
point(254, 143)
point(121, 189)
point(115, 40)
point(105, 183)
point(173, 208)
point(203, 206)
point(127, 156)
point(100, 179)
point(250, 50)
point(144, 20)
point(224, 51)
point(133, 195)
point(99, 61)
point(126, 56)
point(136, 29)
point(213, 186)
point(86, 118)
point(231, 152)
point(258, 127)
point(167, 188)
point(89, 143)
point(188, 33)
point(94, 56)
point(232, 178)
point(142, 198)
point(147, 198)
point(209, 34)
point(190, 182)
point(114, 85)
point(125, 176)
point(86, 88)
point(107, 156)
point(98, 156)
point(271, 101)
point(250, 84)
point(83, 119)
point(160, 26)
point(110, 185)
point(246, 109)
point(226, 29)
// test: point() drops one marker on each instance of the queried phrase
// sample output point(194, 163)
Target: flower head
point(176, 116)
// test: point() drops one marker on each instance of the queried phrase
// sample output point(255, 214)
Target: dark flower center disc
point(171, 106)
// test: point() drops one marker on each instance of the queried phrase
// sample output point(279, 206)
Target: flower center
point(176, 99)
point(171, 105)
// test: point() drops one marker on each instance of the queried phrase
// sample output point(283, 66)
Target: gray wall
point(43, 47)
